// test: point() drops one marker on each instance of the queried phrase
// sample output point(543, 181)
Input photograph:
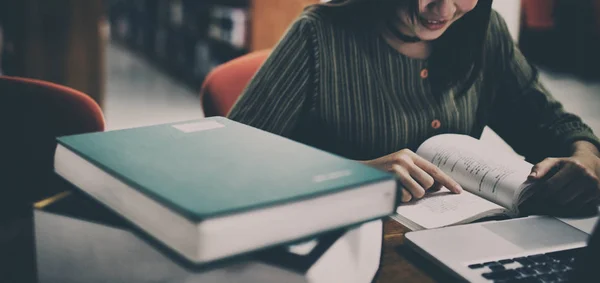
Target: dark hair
point(457, 56)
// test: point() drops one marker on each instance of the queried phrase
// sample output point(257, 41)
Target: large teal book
point(214, 188)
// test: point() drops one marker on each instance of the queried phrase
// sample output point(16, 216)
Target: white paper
point(445, 208)
point(494, 175)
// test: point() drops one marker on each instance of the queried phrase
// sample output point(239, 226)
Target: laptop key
point(524, 261)
point(507, 281)
point(540, 259)
point(558, 267)
point(491, 263)
point(526, 271)
point(567, 261)
point(506, 261)
point(500, 275)
point(549, 278)
point(496, 267)
point(521, 280)
point(476, 266)
point(542, 269)
point(565, 276)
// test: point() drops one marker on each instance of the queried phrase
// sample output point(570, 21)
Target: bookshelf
point(56, 41)
point(188, 38)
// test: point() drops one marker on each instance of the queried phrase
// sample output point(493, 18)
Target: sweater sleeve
point(279, 93)
point(523, 113)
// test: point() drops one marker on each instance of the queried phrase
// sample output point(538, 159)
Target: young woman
point(372, 79)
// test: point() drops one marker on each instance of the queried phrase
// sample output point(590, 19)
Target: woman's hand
point(416, 174)
point(576, 183)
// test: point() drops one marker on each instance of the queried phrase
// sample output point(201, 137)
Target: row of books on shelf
point(185, 38)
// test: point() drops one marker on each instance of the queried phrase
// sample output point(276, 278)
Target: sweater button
point(436, 124)
point(424, 73)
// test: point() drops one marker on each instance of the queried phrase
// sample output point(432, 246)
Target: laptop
point(532, 249)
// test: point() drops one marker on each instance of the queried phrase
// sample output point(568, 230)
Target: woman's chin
point(427, 35)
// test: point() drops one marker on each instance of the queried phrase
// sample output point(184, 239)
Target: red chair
point(224, 84)
point(33, 113)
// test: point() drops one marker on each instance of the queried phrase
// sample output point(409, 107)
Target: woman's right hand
point(416, 174)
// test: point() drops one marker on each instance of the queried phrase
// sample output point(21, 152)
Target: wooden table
point(401, 264)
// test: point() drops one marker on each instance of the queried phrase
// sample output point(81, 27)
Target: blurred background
point(144, 61)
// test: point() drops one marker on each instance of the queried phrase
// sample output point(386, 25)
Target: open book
point(494, 183)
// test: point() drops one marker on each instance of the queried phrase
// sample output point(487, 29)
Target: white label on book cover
point(198, 126)
point(331, 176)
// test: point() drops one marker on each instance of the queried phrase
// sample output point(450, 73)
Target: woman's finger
point(424, 179)
point(557, 182)
point(438, 175)
point(541, 169)
point(568, 194)
point(435, 188)
point(406, 196)
point(408, 182)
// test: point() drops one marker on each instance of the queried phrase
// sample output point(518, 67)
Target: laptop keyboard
point(549, 267)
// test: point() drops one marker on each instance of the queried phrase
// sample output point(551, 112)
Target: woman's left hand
point(576, 183)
